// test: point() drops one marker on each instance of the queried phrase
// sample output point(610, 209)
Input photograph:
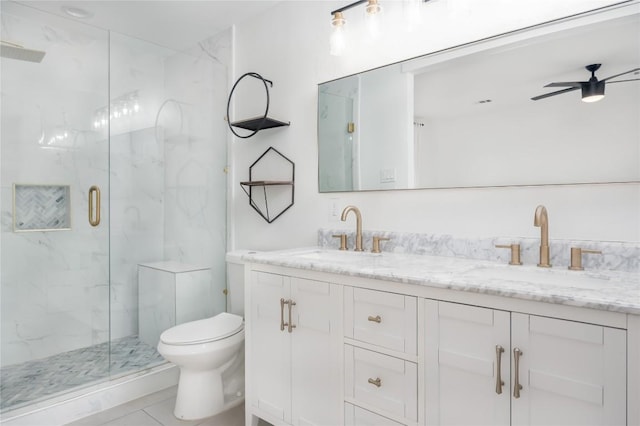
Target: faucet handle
point(376, 244)
point(515, 253)
point(576, 257)
point(343, 241)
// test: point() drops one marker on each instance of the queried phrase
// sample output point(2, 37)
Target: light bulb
point(592, 98)
point(372, 10)
point(412, 14)
point(337, 41)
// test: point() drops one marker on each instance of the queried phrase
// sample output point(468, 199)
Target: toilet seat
point(203, 331)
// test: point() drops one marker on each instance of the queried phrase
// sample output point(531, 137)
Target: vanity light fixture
point(337, 41)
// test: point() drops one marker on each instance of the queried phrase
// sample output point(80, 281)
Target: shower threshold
point(33, 381)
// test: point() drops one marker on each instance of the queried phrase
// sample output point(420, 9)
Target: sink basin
point(335, 256)
point(545, 277)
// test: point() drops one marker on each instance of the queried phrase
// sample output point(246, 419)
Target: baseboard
point(94, 399)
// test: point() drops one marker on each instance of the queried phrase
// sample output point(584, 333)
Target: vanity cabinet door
point(270, 380)
point(316, 353)
point(295, 375)
point(464, 373)
point(571, 373)
point(565, 372)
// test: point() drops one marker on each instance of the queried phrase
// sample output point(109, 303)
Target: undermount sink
point(539, 276)
point(338, 256)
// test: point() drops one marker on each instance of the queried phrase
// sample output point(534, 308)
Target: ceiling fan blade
point(622, 73)
point(576, 84)
point(622, 81)
point(559, 92)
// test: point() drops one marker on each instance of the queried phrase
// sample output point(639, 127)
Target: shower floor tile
point(31, 381)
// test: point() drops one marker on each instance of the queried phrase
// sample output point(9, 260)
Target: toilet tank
point(235, 281)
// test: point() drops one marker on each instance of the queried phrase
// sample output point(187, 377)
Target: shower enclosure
point(113, 153)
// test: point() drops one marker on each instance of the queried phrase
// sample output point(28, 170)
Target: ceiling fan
point(592, 90)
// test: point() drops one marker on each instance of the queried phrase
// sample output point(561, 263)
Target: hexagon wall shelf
point(253, 185)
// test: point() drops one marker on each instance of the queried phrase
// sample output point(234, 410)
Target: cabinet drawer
point(382, 381)
point(356, 416)
point(383, 319)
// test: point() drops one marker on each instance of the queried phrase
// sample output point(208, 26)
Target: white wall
point(383, 156)
point(289, 45)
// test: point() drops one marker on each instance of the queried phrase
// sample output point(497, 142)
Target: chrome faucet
point(358, 224)
point(541, 219)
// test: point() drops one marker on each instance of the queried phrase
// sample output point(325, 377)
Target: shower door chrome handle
point(94, 213)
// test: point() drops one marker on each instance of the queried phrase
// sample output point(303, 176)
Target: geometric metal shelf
point(259, 123)
point(250, 186)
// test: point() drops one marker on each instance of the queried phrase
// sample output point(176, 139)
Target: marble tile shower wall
point(54, 284)
point(162, 180)
point(616, 256)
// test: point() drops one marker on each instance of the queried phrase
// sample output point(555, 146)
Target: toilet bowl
point(203, 350)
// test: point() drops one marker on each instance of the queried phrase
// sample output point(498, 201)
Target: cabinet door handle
point(499, 382)
point(291, 325)
point(282, 323)
point(94, 214)
point(517, 353)
point(376, 382)
point(375, 319)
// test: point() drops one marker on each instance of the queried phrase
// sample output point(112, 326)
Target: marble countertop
point(603, 290)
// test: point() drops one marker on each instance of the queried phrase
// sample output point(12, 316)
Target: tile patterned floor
point(32, 381)
point(157, 410)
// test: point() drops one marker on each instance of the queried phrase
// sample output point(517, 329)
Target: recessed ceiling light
point(76, 12)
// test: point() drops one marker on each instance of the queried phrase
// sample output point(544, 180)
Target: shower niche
point(41, 207)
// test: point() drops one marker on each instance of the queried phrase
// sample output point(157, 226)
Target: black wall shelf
point(251, 186)
point(257, 123)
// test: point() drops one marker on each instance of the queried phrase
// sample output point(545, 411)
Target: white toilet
point(210, 354)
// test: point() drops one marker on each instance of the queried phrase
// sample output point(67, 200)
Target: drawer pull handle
point(375, 319)
point(517, 387)
point(499, 381)
point(376, 382)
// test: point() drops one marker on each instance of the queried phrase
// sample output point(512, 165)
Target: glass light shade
point(372, 19)
point(337, 40)
point(412, 14)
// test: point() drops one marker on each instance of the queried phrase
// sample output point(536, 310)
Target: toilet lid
point(202, 331)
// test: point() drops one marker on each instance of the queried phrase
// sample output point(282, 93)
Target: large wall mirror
point(465, 118)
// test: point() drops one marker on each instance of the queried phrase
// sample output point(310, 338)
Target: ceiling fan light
point(593, 92)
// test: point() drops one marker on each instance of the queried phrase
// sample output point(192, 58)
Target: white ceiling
point(509, 75)
point(175, 24)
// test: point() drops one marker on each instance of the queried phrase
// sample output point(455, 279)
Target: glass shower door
point(54, 254)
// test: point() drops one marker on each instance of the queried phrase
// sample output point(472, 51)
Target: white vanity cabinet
point(327, 348)
point(492, 367)
point(294, 350)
